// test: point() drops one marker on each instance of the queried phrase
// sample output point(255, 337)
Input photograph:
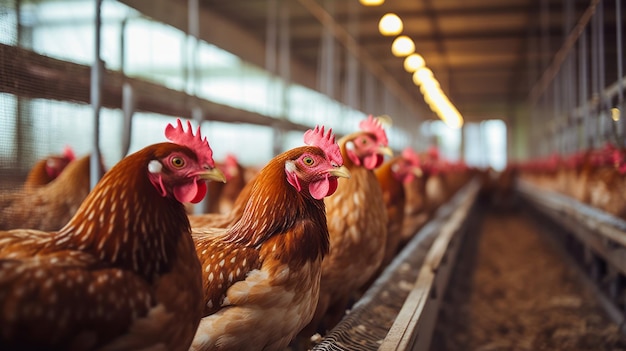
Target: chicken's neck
point(276, 210)
point(385, 175)
point(126, 222)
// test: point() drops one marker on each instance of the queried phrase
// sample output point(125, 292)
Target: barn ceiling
point(486, 54)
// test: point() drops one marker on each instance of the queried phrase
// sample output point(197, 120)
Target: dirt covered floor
point(512, 291)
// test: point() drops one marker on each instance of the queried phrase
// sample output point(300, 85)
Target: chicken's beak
point(213, 174)
point(385, 150)
point(340, 172)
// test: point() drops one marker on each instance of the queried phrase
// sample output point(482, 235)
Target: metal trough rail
point(399, 310)
point(595, 239)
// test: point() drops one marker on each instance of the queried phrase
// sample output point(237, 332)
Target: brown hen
point(417, 210)
point(357, 223)
point(48, 168)
point(50, 206)
point(393, 176)
point(122, 274)
point(607, 183)
point(261, 274)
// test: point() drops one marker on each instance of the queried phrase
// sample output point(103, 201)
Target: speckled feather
point(121, 275)
point(223, 264)
point(261, 274)
point(35, 295)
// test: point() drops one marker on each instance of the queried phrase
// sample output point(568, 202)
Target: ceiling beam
point(68, 81)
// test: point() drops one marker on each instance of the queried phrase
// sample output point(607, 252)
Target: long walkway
point(511, 290)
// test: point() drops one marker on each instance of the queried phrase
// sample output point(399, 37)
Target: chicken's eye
point(308, 160)
point(178, 162)
point(363, 141)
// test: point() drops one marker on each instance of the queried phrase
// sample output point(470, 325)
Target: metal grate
point(39, 112)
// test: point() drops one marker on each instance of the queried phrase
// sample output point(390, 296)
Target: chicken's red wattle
point(323, 188)
point(373, 161)
point(192, 192)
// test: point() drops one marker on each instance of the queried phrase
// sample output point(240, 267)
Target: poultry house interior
point(312, 175)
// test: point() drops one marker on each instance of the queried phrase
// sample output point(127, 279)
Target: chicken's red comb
point(326, 142)
point(69, 153)
point(411, 156)
point(195, 142)
point(374, 126)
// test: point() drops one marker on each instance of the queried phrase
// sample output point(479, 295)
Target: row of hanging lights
point(403, 46)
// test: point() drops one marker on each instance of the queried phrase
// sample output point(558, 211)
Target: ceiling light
point(453, 120)
point(429, 85)
point(390, 25)
point(449, 115)
point(413, 62)
point(371, 2)
point(421, 75)
point(435, 98)
point(402, 46)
